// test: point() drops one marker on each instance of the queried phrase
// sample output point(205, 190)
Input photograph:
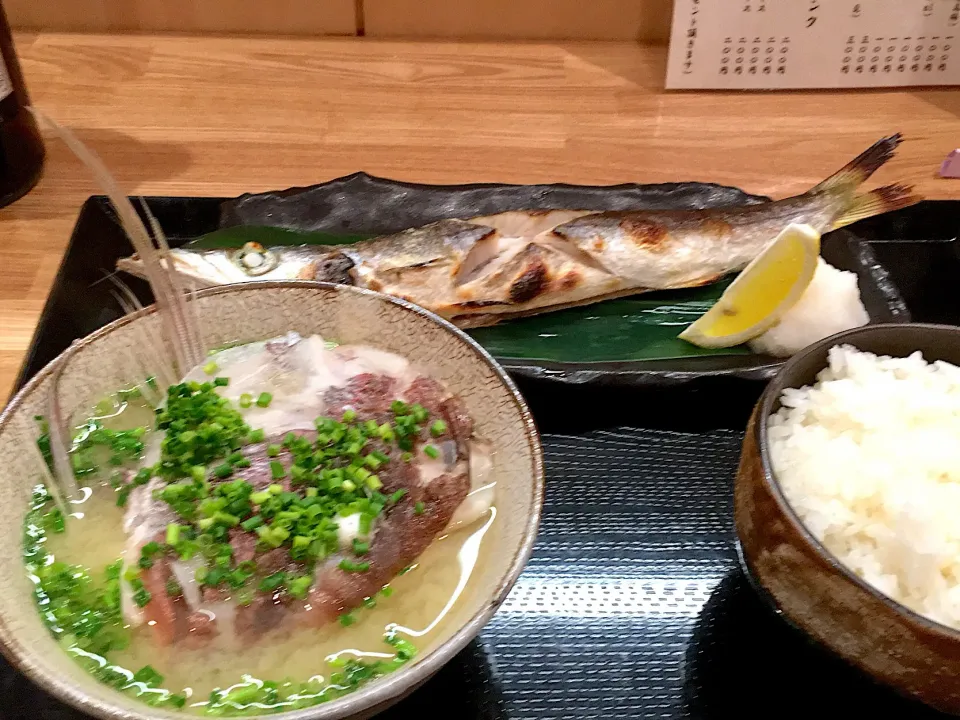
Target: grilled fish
point(483, 270)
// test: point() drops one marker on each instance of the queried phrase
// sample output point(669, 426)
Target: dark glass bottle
point(21, 148)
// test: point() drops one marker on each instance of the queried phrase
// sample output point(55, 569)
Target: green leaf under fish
point(236, 237)
point(628, 329)
point(644, 327)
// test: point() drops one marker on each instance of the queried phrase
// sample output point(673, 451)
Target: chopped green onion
point(438, 428)
point(346, 620)
point(373, 482)
point(277, 471)
point(257, 436)
point(272, 582)
point(141, 597)
point(264, 399)
point(210, 368)
point(221, 382)
point(386, 591)
point(259, 498)
point(419, 508)
point(123, 494)
point(361, 474)
point(431, 451)
point(251, 524)
point(419, 413)
point(299, 586)
point(349, 416)
point(223, 471)
point(148, 676)
point(349, 486)
point(360, 547)
point(397, 496)
point(246, 400)
point(350, 566)
point(275, 489)
point(226, 519)
point(366, 523)
point(173, 534)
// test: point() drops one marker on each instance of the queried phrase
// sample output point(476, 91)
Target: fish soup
point(293, 520)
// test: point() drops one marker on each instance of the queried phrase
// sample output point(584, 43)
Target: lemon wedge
point(766, 289)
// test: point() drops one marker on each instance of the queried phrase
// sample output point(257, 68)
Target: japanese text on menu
point(771, 44)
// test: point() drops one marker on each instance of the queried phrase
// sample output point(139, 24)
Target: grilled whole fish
point(484, 270)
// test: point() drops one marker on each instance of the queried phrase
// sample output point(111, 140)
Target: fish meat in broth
point(427, 484)
point(483, 270)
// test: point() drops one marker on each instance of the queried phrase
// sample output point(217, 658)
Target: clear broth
point(418, 609)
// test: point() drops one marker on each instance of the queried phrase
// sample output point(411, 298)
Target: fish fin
point(132, 265)
point(876, 202)
point(857, 171)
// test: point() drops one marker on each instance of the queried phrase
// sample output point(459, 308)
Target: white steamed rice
point(869, 458)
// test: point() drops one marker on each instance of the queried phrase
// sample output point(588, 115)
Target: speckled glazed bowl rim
point(387, 689)
point(765, 407)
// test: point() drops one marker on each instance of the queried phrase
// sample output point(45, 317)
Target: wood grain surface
point(202, 116)
point(294, 17)
point(647, 20)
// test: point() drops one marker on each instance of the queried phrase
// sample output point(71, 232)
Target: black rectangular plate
point(361, 204)
point(633, 605)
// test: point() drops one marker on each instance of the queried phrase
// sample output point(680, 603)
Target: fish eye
point(254, 259)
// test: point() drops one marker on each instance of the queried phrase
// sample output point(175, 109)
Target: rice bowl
point(869, 458)
point(803, 580)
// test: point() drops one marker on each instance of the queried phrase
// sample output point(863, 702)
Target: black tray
point(633, 605)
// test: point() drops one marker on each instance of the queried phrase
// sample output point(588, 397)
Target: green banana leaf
point(644, 327)
point(235, 237)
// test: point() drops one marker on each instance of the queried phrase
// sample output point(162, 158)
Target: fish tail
point(882, 200)
point(857, 171)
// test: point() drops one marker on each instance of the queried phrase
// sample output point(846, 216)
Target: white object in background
point(792, 44)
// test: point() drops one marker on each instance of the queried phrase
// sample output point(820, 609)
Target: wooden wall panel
point(644, 20)
point(297, 17)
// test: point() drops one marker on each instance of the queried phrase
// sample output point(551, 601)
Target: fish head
point(236, 265)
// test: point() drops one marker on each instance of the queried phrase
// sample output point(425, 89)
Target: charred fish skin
point(514, 264)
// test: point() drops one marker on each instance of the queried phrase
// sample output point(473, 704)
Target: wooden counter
point(204, 116)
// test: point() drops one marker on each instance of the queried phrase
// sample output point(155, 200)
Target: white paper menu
point(783, 44)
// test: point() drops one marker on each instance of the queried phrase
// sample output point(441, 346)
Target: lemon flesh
point(766, 289)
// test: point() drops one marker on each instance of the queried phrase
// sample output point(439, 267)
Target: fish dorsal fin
point(857, 171)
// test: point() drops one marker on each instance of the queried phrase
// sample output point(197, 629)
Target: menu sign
point(785, 44)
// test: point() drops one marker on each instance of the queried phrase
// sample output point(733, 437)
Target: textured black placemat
point(633, 605)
